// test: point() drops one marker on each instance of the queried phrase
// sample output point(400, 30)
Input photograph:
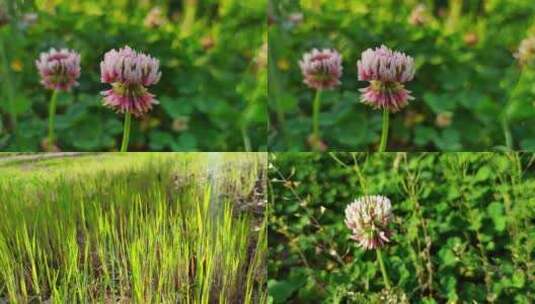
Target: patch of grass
point(144, 228)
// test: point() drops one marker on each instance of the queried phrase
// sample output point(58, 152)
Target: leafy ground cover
point(462, 228)
point(144, 228)
point(471, 94)
point(212, 57)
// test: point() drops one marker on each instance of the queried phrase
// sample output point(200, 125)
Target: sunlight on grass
point(147, 228)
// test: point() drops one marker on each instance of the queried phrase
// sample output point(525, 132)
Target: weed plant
point(462, 228)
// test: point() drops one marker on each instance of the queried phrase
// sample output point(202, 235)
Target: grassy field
point(461, 230)
point(142, 228)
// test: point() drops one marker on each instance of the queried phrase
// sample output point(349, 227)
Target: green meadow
point(133, 228)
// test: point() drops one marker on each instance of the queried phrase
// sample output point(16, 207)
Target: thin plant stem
point(384, 134)
point(507, 134)
point(8, 85)
point(190, 12)
point(383, 270)
point(509, 142)
point(51, 116)
point(246, 139)
point(316, 114)
point(274, 89)
point(126, 131)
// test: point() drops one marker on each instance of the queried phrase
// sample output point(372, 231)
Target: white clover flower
point(368, 219)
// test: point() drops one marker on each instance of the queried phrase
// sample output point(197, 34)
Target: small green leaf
point(483, 173)
point(496, 213)
point(519, 279)
point(280, 290)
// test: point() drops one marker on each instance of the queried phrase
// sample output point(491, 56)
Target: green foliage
point(470, 92)
point(463, 228)
point(212, 92)
point(136, 228)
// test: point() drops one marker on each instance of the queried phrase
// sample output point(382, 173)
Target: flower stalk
point(316, 114)
point(51, 116)
point(383, 269)
point(507, 134)
point(126, 131)
point(384, 132)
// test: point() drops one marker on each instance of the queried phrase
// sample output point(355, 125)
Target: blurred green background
point(463, 227)
point(467, 82)
point(213, 61)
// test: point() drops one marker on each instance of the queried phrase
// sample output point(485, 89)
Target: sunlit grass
point(143, 228)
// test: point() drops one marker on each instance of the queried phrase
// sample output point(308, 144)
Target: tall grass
point(143, 232)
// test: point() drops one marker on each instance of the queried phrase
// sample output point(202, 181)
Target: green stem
point(384, 134)
point(383, 270)
point(126, 131)
point(190, 12)
point(316, 114)
point(9, 85)
point(246, 139)
point(509, 142)
point(51, 116)
point(507, 134)
point(274, 89)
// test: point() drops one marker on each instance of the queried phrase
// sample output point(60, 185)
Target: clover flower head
point(387, 71)
point(368, 219)
point(321, 69)
point(59, 70)
point(526, 51)
point(129, 73)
